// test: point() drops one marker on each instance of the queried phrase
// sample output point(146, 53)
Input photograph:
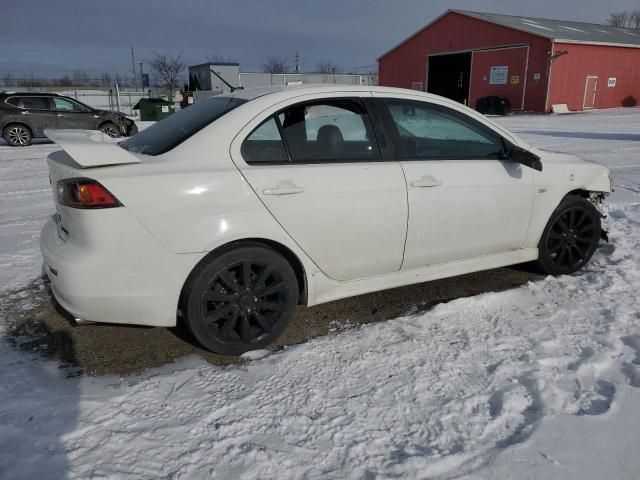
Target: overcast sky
point(49, 37)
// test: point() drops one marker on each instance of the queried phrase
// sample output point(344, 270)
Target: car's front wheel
point(110, 129)
point(570, 237)
point(240, 300)
point(17, 135)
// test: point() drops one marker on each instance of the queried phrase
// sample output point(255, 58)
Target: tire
point(17, 135)
point(110, 129)
point(570, 237)
point(240, 300)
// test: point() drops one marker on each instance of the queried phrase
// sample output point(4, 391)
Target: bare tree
point(80, 78)
point(168, 70)
point(625, 19)
point(327, 67)
point(29, 81)
point(217, 59)
point(8, 80)
point(65, 81)
point(275, 65)
point(105, 80)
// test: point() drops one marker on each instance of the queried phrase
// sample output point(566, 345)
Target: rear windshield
point(175, 129)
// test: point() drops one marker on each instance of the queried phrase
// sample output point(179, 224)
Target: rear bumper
point(125, 278)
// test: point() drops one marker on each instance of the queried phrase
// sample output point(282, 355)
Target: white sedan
point(233, 211)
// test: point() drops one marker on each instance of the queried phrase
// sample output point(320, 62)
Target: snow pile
point(438, 394)
point(25, 205)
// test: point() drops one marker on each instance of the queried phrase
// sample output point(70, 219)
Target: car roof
point(29, 94)
point(285, 91)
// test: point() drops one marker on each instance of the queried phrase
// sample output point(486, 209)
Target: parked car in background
point(230, 213)
point(25, 116)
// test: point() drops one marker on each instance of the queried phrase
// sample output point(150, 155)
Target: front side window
point(36, 103)
point(332, 130)
point(429, 131)
point(175, 129)
point(67, 105)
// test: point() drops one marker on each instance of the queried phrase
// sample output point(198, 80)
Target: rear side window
point(175, 129)
point(264, 145)
point(329, 131)
point(429, 131)
point(314, 132)
point(15, 101)
point(36, 103)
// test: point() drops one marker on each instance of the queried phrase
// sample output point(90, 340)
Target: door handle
point(60, 115)
point(426, 181)
point(282, 190)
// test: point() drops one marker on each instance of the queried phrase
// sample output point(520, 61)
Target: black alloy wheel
point(110, 129)
point(570, 238)
point(242, 300)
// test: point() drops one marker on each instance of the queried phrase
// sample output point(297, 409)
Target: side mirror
point(522, 156)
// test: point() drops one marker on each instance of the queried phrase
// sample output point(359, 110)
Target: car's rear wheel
point(570, 237)
point(241, 300)
point(17, 135)
point(110, 129)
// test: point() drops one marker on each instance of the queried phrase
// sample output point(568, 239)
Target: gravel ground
point(36, 324)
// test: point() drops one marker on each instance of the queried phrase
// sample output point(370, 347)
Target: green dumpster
point(154, 109)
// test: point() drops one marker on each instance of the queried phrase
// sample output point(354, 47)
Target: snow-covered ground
point(541, 381)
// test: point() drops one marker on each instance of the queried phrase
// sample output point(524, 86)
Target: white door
point(590, 88)
point(463, 201)
point(327, 187)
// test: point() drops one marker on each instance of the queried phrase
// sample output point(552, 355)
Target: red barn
point(534, 62)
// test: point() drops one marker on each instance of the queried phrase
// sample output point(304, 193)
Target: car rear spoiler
point(91, 148)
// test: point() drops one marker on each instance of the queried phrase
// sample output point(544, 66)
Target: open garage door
point(501, 72)
point(448, 76)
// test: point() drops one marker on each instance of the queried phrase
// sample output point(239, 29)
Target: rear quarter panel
point(193, 199)
point(9, 114)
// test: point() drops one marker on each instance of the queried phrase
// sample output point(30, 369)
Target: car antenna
point(231, 87)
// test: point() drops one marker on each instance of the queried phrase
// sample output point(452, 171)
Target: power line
point(362, 67)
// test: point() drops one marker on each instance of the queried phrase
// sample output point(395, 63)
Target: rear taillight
point(85, 193)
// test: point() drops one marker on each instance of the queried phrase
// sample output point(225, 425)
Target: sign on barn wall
point(498, 75)
point(612, 82)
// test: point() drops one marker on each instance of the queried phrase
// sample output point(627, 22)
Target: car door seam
point(406, 231)
point(532, 206)
point(278, 222)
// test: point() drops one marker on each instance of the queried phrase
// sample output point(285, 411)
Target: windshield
point(175, 129)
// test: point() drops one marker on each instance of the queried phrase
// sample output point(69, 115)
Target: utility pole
point(133, 67)
point(295, 63)
point(141, 80)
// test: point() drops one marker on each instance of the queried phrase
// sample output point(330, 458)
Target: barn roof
point(562, 30)
point(557, 30)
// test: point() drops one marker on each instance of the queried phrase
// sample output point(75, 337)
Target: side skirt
point(323, 289)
